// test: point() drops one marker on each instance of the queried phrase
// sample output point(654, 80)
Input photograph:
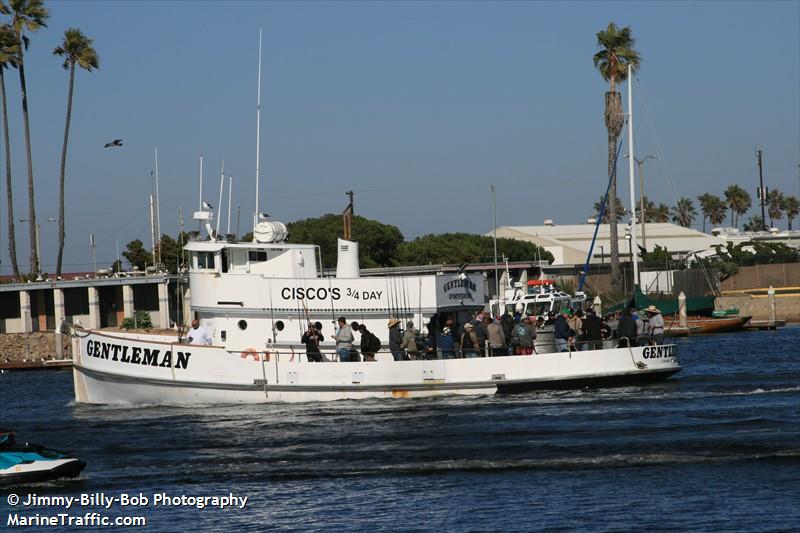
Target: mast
point(221, 185)
point(762, 192)
point(258, 131)
point(230, 191)
point(158, 213)
point(634, 243)
point(494, 239)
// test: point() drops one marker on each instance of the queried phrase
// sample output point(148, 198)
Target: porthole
point(243, 324)
point(279, 325)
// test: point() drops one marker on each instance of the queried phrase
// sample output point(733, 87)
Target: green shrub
point(139, 320)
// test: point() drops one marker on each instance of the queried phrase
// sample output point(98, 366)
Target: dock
point(765, 324)
point(42, 364)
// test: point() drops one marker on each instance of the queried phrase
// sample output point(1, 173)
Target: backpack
point(374, 344)
point(422, 344)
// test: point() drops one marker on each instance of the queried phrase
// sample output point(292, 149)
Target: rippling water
point(715, 448)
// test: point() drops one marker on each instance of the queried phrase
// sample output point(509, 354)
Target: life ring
point(250, 352)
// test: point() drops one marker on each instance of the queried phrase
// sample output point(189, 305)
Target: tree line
point(734, 204)
point(20, 18)
point(380, 245)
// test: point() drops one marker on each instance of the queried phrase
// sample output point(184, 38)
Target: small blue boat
point(31, 463)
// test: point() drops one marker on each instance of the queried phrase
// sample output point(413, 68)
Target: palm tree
point(791, 207)
point(609, 210)
point(612, 61)
point(9, 50)
point(27, 15)
point(75, 48)
point(684, 212)
point(716, 211)
point(738, 201)
point(706, 201)
point(774, 206)
point(754, 224)
point(649, 206)
point(659, 214)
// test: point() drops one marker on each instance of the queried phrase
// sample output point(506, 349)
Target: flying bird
point(114, 143)
point(208, 205)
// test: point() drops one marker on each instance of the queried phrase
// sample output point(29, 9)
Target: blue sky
point(417, 106)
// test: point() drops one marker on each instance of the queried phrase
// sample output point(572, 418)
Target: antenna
point(94, 257)
point(221, 184)
point(258, 131)
point(200, 198)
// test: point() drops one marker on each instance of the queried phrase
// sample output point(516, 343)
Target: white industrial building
point(570, 243)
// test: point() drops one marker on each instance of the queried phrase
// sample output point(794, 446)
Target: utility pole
point(640, 164)
point(762, 191)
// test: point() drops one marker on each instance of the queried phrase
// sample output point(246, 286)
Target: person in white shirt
point(656, 324)
point(198, 334)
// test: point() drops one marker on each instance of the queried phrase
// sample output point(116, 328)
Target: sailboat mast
point(634, 242)
point(494, 241)
point(230, 191)
point(158, 213)
point(258, 131)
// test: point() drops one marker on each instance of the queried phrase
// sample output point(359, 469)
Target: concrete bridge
point(93, 303)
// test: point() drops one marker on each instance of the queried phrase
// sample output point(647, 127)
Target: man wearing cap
point(395, 339)
point(656, 325)
point(469, 342)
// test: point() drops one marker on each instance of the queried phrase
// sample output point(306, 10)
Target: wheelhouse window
point(256, 256)
point(205, 261)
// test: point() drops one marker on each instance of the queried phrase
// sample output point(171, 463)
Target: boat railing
point(291, 354)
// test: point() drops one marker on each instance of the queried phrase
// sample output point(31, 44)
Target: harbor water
point(715, 448)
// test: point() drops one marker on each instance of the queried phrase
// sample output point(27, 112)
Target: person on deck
point(369, 343)
point(409, 342)
point(496, 338)
point(447, 343)
point(592, 331)
point(562, 334)
point(344, 340)
point(311, 338)
point(468, 342)
point(395, 340)
point(655, 325)
point(199, 334)
point(523, 336)
point(626, 329)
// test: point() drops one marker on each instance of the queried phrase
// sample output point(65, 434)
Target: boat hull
point(111, 369)
point(709, 325)
point(39, 471)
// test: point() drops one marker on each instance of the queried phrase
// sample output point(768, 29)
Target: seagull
point(208, 205)
point(113, 144)
point(263, 215)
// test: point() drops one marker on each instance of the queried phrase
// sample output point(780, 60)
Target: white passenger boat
point(255, 299)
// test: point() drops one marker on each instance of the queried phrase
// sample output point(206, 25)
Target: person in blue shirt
point(563, 334)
